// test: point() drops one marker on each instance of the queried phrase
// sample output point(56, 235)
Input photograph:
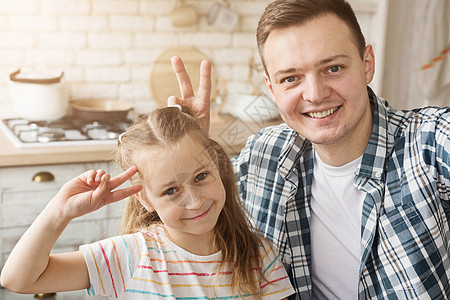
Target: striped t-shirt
point(147, 265)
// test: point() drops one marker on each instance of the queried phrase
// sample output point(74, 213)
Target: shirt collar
point(374, 157)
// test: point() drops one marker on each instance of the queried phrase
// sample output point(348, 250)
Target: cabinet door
point(22, 199)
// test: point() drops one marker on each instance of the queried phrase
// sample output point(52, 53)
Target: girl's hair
point(234, 234)
point(286, 13)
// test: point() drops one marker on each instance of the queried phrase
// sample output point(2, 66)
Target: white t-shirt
point(336, 211)
point(147, 265)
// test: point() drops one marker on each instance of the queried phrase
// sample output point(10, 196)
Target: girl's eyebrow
point(177, 182)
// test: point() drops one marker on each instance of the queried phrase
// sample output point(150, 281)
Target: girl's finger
point(104, 187)
point(123, 193)
point(99, 175)
point(184, 82)
point(90, 176)
point(122, 177)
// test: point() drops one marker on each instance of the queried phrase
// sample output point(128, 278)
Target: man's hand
point(199, 104)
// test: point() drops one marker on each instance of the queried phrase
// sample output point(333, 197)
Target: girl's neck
point(196, 244)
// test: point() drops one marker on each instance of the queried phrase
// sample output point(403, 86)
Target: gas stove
point(63, 132)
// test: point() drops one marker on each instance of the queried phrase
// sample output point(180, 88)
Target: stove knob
point(43, 177)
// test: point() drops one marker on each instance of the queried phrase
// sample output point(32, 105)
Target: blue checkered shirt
point(405, 237)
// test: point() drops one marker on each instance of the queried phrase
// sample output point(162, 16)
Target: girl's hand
point(91, 191)
point(199, 104)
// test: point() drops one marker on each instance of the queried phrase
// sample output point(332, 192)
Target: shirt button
point(378, 174)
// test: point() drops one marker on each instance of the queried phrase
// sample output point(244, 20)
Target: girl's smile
point(199, 216)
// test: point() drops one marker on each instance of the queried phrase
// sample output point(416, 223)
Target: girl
point(186, 235)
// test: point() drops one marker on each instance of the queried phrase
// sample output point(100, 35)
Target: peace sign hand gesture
point(199, 104)
point(91, 191)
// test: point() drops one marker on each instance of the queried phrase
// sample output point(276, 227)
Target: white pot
point(38, 97)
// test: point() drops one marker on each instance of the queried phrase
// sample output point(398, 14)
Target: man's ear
point(369, 63)
point(269, 85)
point(143, 200)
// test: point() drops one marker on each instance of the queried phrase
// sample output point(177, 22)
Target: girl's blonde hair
point(234, 234)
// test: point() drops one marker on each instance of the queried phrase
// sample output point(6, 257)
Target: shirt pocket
point(407, 252)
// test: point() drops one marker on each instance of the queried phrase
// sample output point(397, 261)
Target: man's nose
point(315, 89)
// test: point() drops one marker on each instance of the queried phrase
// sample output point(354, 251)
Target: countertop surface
point(225, 129)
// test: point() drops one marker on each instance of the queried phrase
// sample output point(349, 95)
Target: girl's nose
point(193, 199)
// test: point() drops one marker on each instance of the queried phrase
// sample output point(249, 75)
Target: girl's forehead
point(185, 154)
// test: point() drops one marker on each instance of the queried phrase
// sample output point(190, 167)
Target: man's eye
point(170, 191)
point(334, 69)
point(201, 176)
point(288, 79)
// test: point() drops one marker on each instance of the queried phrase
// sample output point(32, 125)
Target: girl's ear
point(143, 200)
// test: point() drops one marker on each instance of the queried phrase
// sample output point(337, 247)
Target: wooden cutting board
point(163, 81)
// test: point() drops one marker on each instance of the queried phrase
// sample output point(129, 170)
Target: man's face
point(318, 81)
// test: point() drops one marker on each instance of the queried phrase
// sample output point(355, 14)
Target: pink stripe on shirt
point(109, 268)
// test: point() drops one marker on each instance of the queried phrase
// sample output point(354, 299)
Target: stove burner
point(28, 133)
point(103, 131)
point(45, 135)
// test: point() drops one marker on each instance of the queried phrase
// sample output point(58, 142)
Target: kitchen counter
point(11, 156)
point(228, 131)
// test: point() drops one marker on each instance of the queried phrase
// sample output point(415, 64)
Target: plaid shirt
point(405, 173)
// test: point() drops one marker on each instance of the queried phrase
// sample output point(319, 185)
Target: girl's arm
point(30, 268)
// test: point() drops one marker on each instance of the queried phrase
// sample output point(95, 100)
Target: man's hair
point(285, 13)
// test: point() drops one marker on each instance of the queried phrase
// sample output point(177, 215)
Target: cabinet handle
point(43, 177)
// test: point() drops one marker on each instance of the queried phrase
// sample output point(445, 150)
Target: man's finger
point(174, 100)
point(204, 88)
point(184, 82)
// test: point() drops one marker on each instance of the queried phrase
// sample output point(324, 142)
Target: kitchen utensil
point(38, 95)
point(250, 108)
point(183, 15)
point(100, 110)
point(222, 16)
point(163, 81)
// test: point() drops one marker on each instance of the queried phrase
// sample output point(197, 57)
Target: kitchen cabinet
point(22, 199)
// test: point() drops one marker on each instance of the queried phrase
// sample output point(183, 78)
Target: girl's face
point(184, 187)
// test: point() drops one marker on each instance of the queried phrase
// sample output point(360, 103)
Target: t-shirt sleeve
point(278, 284)
point(111, 263)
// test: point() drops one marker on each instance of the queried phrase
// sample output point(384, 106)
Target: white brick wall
point(106, 47)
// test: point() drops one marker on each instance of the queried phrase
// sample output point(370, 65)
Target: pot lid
point(35, 77)
point(101, 105)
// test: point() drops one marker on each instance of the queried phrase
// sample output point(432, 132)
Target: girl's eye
point(170, 191)
point(201, 176)
point(334, 69)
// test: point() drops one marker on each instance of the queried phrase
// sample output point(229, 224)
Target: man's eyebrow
point(330, 59)
point(320, 63)
point(284, 71)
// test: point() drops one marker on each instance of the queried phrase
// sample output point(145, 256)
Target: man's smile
point(322, 114)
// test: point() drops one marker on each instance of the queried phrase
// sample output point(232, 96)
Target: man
point(355, 194)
